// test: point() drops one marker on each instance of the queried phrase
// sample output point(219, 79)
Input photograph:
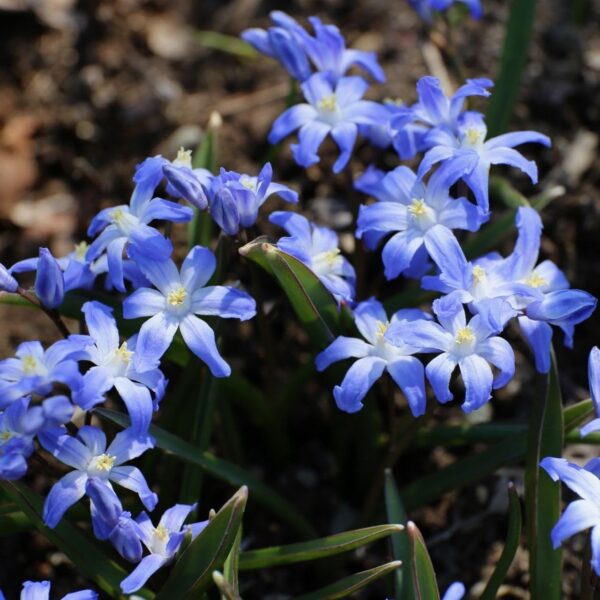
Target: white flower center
point(326, 263)
point(30, 365)
point(329, 110)
point(101, 465)
point(249, 183)
point(5, 436)
point(183, 159)
point(473, 138)
point(177, 297)
point(464, 341)
point(81, 251)
point(535, 281)
point(421, 215)
point(178, 301)
point(479, 274)
point(119, 360)
point(124, 220)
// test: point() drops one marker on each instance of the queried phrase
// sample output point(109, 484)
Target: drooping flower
point(471, 347)
point(428, 8)
point(235, 198)
point(455, 592)
point(185, 182)
point(330, 109)
point(40, 590)
point(35, 370)
point(128, 225)
point(317, 248)
point(448, 147)
point(290, 44)
point(49, 280)
point(88, 455)
point(410, 210)
point(580, 514)
point(175, 304)
point(376, 355)
point(114, 367)
point(594, 383)
point(162, 541)
point(7, 282)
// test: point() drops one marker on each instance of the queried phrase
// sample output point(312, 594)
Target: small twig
point(52, 313)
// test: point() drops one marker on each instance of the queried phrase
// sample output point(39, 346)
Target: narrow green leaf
point(315, 549)
point(542, 494)
point(225, 43)
point(225, 588)
point(232, 564)
point(519, 31)
point(349, 585)
point(192, 573)
point(84, 553)
point(423, 576)
point(14, 522)
point(396, 513)
point(474, 467)
point(513, 538)
point(315, 306)
point(224, 471)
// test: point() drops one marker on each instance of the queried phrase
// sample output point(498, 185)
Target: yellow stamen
point(381, 329)
point(105, 462)
point(117, 215)
point(535, 281)
point(329, 103)
point(464, 336)
point(5, 436)
point(81, 250)
point(123, 353)
point(29, 364)
point(331, 256)
point(247, 183)
point(177, 297)
point(184, 158)
point(162, 533)
point(417, 207)
point(474, 136)
point(478, 274)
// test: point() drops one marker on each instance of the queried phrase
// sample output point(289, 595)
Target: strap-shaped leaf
point(84, 553)
point(513, 538)
point(232, 564)
point(396, 513)
point(192, 573)
point(313, 303)
point(223, 470)
point(543, 494)
point(423, 576)
point(349, 585)
point(315, 549)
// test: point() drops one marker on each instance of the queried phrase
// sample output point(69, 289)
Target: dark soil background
point(88, 89)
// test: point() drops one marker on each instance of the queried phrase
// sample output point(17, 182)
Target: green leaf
point(224, 471)
point(475, 467)
point(315, 306)
point(225, 43)
point(423, 576)
point(349, 585)
point(192, 573)
point(84, 554)
point(396, 513)
point(14, 522)
point(519, 31)
point(315, 549)
point(232, 564)
point(542, 494)
point(225, 588)
point(513, 538)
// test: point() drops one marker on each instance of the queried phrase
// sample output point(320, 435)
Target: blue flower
point(455, 592)
point(337, 110)
point(7, 282)
point(448, 147)
point(580, 514)
point(470, 346)
point(594, 382)
point(414, 209)
point(162, 541)
point(49, 280)
point(235, 198)
point(40, 590)
point(179, 297)
point(376, 355)
point(185, 182)
point(111, 522)
point(127, 225)
point(426, 8)
point(114, 367)
point(35, 370)
point(290, 44)
point(317, 248)
point(88, 455)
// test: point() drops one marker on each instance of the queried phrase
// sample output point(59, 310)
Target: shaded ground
point(87, 90)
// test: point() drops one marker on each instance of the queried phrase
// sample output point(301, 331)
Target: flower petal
point(358, 381)
point(200, 339)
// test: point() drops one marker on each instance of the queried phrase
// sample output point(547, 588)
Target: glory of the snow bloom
point(580, 514)
point(317, 248)
point(40, 590)
point(7, 282)
point(470, 141)
point(49, 280)
point(177, 304)
point(375, 355)
point(88, 455)
point(337, 110)
point(427, 9)
point(472, 347)
point(411, 211)
point(125, 225)
point(235, 198)
point(162, 542)
point(594, 383)
point(185, 182)
point(114, 367)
